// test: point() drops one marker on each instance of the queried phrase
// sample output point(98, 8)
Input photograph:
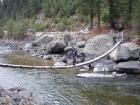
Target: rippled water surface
point(63, 85)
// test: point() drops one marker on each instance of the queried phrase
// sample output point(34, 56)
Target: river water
point(63, 86)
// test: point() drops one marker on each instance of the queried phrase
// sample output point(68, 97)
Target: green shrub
point(62, 27)
point(65, 20)
point(69, 28)
point(47, 25)
point(55, 20)
point(105, 18)
point(1, 32)
point(40, 27)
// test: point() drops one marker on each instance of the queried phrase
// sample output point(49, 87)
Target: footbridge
point(69, 66)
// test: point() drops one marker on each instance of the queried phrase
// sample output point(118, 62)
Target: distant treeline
point(109, 11)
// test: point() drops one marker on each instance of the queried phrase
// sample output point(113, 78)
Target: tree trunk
point(130, 11)
point(11, 34)
point(98, 14)
point(111, 10)
point(91, 19)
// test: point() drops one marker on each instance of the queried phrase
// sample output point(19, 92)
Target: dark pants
point(74, 60)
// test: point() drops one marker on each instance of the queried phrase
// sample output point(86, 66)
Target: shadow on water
point(63, 85)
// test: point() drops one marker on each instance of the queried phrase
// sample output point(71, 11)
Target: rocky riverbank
point(58, 49)
point(18, 96)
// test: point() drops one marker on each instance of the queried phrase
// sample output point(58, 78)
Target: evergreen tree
point(90, 7)
point(136, 15)
point(10, 25)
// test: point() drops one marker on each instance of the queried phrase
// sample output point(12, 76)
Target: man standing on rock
point(74, 54)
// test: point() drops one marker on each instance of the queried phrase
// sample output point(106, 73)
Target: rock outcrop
point(42, 40)
point(125, 51)
point(128, 67)
point(68, 38)
point(18, 96)
point(56, 47)
point(98, 45)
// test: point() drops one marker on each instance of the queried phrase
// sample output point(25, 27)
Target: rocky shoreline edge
point(19, 96)
point(125, 58)
point(58, 49)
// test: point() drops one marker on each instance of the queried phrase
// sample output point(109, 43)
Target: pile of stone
point(58, 49)
point(18, 96)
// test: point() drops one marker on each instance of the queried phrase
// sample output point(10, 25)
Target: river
point(63, 86)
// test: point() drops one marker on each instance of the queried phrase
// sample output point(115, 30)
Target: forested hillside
point(16, 16)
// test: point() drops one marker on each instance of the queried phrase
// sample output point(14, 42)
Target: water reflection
point(26, 59)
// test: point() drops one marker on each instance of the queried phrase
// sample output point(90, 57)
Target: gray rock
point(8, 99)
point(56, 102)
point(80, 59)
point(35, 55)
point(79, 50)
point(72, 42)
point(98, 45)
point(83, 32)
point(104, 65)
point(84, 70)
point(87, 59)
point(63, 59)
point(70, 61)
point(109, 67)
point(47, 57)
point(86, 67)
point(129, 67)
point(42, 40)
point(27, 47)
point(56, 47)
point(81, 44)
point(22, 102)
point(68, 38)
point(99, 68)
point(68, 48)
point(59, 64)
point(25, 93)
point(18, 88)
point(125, 51)
point(3, 101)
point(104, 61)
point(2, 90)
point(3, 93)
point(111, 33)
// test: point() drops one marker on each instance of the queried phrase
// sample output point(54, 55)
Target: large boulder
point(98, 45)
point(56, 47)
point(125, 51)
point(129, 67)
point(68, 38)
point(42, 40)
